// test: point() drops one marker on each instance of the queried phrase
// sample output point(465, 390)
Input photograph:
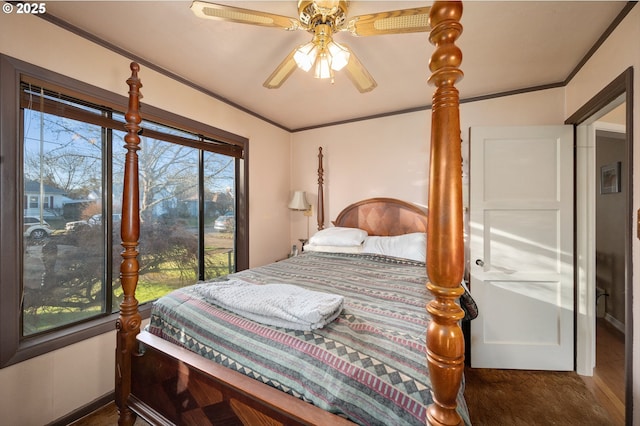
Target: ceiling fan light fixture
point(306, 55)
point(323, 66)
point(339, 56)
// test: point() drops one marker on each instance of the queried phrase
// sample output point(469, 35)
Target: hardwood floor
point(105, 416)
point(608, 381)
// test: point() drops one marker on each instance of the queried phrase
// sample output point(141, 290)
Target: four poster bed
point(202, 362)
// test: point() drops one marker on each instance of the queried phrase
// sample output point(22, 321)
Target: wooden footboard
point(172, 385)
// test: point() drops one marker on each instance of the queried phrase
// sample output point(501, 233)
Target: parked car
point(96, 219)
point(36, 229)
point(225, 223)
point(76, 225)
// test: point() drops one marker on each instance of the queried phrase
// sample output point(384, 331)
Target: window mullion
point(201, 216)
point(107, 223)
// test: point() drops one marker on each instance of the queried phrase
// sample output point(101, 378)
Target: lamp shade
point(299, 201)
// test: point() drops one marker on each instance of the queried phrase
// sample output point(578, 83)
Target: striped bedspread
point(368, 365)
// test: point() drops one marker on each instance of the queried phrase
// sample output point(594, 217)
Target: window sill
point(32, 347)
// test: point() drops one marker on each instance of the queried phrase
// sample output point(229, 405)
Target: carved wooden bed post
point(320, 191)
point(128, 324)
point(445, 244)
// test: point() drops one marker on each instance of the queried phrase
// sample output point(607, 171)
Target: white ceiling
point(506, 45)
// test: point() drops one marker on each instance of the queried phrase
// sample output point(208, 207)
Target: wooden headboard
point(384, 217)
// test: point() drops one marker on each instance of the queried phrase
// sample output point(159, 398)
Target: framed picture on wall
point(610, 178)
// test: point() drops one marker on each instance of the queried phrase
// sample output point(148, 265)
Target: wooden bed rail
point(128, 323)
point(445, 243)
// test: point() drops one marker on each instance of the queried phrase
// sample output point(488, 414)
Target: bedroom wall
point(389, 157)
point(48, 387)
point(620, 51)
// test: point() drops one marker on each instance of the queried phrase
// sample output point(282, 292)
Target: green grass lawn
point(151, 286)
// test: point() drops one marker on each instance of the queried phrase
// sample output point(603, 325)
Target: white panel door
point(521, 247)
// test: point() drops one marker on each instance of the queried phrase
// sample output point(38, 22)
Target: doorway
point(595, 180)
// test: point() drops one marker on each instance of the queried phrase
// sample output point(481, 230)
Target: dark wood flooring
point(105, 416)
point(608, 381)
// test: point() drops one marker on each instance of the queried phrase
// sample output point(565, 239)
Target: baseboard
point(85, 410)
point(615, 323)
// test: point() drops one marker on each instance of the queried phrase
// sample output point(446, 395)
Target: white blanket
point(280, 305)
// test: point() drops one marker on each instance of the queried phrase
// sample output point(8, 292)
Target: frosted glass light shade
point(339, 56)
point(305, 56)
point(323, 66)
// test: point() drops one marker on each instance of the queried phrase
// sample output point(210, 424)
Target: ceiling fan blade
point(243, 16)
point(282, 72)
point(358, 74)
point(391, 22)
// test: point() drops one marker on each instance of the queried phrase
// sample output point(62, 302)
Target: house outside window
point(52, 198)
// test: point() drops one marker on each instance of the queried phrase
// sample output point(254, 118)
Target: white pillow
point(338, 236)
point(407, 246)
point(333, 249)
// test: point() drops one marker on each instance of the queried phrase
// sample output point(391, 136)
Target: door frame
point(620, 86)
point(585, 243)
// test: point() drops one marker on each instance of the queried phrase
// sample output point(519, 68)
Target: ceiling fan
point(322, 18)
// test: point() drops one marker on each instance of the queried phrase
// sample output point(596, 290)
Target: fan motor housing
point(314, 12)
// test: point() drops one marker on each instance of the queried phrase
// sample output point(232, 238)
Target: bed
point(162, 375)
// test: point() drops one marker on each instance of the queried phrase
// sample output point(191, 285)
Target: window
point(67, 179)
